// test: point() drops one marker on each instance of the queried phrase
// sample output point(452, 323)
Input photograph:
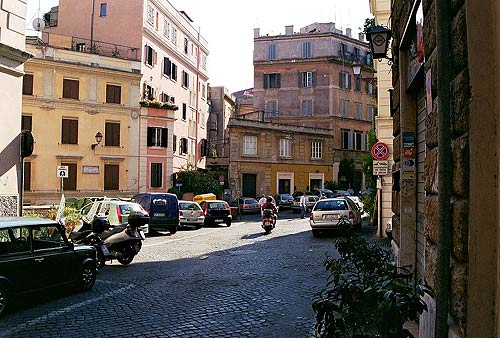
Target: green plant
point(71, 217)
point(366, 294)
point(144, 103)
point(169, 105)
point(155, 104)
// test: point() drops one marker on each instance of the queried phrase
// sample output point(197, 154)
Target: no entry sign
point(380, 151)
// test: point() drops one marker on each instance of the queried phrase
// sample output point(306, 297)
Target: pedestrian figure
point(302, 206)
point(262, 201)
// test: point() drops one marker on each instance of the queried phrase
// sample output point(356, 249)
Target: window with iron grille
point(357, 115)
point(71, 89)
point(316, 149)
point(156, 175)
point(307, 79)
point(249, 145)
point(157, 137)
point(307, 107)
point(285, 147)
point(113, 93)
point(111, 177)
point(272, 80)
point(345, 108)
point(69, 131)
point(306, 50)
point(112, 134)
point(28, 84)
point(271, 52)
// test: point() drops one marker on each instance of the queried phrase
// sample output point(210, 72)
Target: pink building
point(174, 69)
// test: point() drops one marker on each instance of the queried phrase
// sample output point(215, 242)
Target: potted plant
point(366, 295)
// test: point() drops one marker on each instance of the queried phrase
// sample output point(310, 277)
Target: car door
point(53, 256)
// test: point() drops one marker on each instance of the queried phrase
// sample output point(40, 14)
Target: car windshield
point(286, 197)
point(160, 201)
point(216, 205)
point(251, 201)
point(188, 206)
point(330, 205)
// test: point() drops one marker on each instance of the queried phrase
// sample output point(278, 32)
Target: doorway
point(249, 188)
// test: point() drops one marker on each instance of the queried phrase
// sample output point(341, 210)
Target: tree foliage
point(200, 181)
point(369, 23)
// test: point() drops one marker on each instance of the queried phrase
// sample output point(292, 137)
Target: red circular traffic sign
point(380, 151)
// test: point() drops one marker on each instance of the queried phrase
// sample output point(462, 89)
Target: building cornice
point(14, 53)
point(279, 127)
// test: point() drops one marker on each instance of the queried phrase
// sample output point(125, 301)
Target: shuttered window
point(156, 175)
point(28, 84)
point(71, 89)
point(69, 131)
point(113, 94)
point(157, 137)
point(112, 134)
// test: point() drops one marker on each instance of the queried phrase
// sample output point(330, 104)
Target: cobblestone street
point(212, 282)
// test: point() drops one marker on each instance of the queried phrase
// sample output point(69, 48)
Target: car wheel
point(315, 233)
point(101, 259)
point(87, 277)
point(4, 299)
point(172, 230)
point(228, 224)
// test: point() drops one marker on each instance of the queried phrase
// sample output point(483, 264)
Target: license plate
point(219, 220)
point(330, 216)
point(192, 219)
point(104, 250)
point(267, 223)
point(159, 214)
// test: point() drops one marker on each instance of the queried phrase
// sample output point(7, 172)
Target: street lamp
point(98, 139)
point(356, 69)
point(378, 37)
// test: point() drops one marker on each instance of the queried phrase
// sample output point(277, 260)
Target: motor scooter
point(268, 220)
point(122, 242)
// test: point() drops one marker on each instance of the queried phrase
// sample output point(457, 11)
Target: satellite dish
point(38, 24)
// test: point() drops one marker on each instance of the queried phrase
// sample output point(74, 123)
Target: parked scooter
point(122, 242)
point(268, 220)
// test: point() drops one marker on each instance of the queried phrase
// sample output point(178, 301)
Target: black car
point(35, 254)
point(284, 201)
point(216, 212)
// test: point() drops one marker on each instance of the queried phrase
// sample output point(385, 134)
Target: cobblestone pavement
point(212, 282)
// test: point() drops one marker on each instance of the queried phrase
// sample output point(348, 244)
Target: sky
point(228, 26)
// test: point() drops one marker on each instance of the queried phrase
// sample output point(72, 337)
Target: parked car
point(216, 212)
point(357, 200)
point(337, 193)
point(310, 202)
point(163, 209)
point(283, 201)
point(247, 205)
point(116, 211)
point(300, 193)
point(35, 254)
point(191, 214)
point(323, 192)
point(327, 213)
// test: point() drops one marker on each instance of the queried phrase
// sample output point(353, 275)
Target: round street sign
point(380, 151)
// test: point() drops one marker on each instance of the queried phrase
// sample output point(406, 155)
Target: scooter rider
point(270, 205)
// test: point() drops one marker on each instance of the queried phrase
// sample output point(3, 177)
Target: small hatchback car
point(217, 212)
point(330, 213)
point(35, 254)
point(190, 214)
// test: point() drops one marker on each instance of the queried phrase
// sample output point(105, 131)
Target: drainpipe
point(92, 27)
point(444, 168)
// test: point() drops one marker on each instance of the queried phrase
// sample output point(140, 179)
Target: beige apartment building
point(69, 99)
point(12, 58)
point(305, 79)
point(173, 58)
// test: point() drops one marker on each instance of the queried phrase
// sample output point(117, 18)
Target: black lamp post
point(378, 38)
point(98, 139)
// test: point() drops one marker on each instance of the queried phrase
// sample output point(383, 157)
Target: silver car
point(330, 213)
point(190, 213)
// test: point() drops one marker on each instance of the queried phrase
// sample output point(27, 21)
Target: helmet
point(269, 199)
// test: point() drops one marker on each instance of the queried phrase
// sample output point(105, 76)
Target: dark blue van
point(163, 209)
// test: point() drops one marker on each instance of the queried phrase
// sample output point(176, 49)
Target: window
point(47, 237)
point(150, 56)
point(369, 88)
point(186, 45)
point(113, 94)
point(112, 134)
point(271, 108)
point(346, 138)
point(151, 15)
point(370, 113)
point(356, 53)
point(104, 9)
point(249, 145)
point(28, 84)
point(69, 131)
point(345, 80)
point(157, 20)
point(357, 83)
point(167, 67)
point(157, 137)
point(183, 146)
point(203, 61)
point(285, 147)
point(345, 108)
point(271, 52)
point(203, 91)
point(203, 148)
point(316, 150)
point(71, 89)
point(26, 122)
point(272, 80)
point(357, 115)
point(173, 75)
point(342, 50)
point(306, 50)
point(307, 107)
point(185, 79)
point(27, 175)
point(184, 111)
point(174, 143)
point(111, 177)
point(307, 79)
point(358, 140)
point(166, 29)
point(173, 36)
point(148, 92)
point(156, 175)
point(70, 181)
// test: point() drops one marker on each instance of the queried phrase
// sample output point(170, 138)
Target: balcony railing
point(94, 47)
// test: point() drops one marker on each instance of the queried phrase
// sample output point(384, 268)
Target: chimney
point(289, 30)
point(256, 33)
point(348, 32)
point(362, 37)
